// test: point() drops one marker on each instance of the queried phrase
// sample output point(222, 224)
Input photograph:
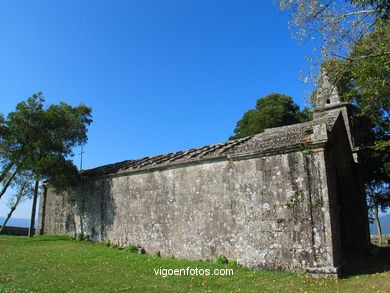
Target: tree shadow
point(376, 260)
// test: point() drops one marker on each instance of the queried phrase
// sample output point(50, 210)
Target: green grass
point(59, 264)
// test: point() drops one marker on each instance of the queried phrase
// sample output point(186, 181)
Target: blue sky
point(161, 76)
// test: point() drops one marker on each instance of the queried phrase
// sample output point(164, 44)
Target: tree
point(271, 111)
point(378, 197)
point(365, 82)
point(39, 140)
point(33, 138)
point(23, 184)
point(334, 27)
point(353, 38)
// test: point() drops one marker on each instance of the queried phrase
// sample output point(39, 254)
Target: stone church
point(286, 199)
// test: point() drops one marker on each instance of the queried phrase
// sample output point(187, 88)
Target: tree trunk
point(33, 210)
point(5, 187)
point(378, 223)
point(11, 211)
point(6, 170)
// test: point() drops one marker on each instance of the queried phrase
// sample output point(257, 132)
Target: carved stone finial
point(327, 95)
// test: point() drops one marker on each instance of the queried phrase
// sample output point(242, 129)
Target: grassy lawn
point(58, 264)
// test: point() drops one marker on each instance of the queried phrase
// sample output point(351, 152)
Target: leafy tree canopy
point(363, 79)
point(40, 139)
point(271, 111)
point(365, 82)
point(351, 43)
point(334, 27)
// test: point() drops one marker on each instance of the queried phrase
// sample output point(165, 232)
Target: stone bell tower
point(327, 96)
point(328, 102)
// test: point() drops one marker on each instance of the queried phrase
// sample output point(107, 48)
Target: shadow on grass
point(360, 263)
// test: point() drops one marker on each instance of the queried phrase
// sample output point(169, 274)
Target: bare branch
point(357, 13)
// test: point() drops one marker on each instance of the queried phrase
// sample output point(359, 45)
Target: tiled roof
point(195, 154)
point(272, 140)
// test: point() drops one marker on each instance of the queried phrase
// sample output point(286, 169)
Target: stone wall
point(348, 208)
point(15, 231)
point(265, 212)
